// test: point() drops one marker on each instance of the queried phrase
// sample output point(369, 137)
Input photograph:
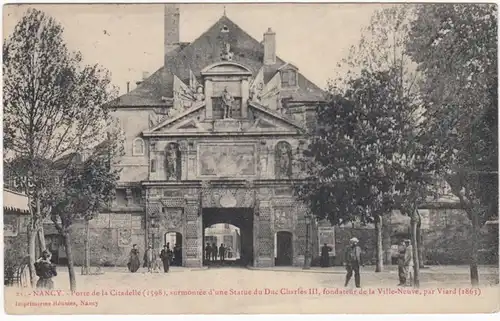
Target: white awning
point(15, 202)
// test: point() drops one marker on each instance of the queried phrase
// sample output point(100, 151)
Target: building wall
point(111, 238)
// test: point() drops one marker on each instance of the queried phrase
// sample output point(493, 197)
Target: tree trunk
point(41, 239)
point(69, 255)
point(40, 234)
point(419, 244)
point(31, 253)
point(387, 242)
point(380, 251)
point(86, 265)
point(416, 265)
point(474, 274)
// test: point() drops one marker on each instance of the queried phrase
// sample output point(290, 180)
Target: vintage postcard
point(269, 158)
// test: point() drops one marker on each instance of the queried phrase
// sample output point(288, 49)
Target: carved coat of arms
point(282, 219)
point(173, 218)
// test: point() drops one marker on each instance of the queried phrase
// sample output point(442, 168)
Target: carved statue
point(172, 162)
point(227, 102)
point(283, 160)
point(199, 96)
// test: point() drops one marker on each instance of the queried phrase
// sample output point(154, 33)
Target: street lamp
point(307, 257)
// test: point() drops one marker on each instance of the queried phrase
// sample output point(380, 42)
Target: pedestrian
point(149, 258)
point(45, 270)
point(222, 252)
point(165, 258)
point(208, 252)
point(214, 252)
point(134, 263)
point(409, 263)
point(353, 261)
point(177, 255)
point(401, 263)
point(325, 255)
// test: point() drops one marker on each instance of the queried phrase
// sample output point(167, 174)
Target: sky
point(127, 39)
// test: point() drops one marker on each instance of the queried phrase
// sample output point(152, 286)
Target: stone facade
point(214, 136)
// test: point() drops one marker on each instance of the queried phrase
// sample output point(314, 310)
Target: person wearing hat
point(165, 256)
point(353, 262)
point(401, 263)
point(409, 263)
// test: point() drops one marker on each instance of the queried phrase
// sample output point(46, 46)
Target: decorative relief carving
point(212, 197)
point(227, 160)
point(172, 193)
point(283, 160)
point(191, 230)
point(154, 209)
point(283, 191)
point(124, 237)
point(192, 248)
point(266, 247)
point(283, 218)
point(172, 218)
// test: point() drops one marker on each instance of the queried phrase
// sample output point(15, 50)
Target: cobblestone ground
point(287, 291)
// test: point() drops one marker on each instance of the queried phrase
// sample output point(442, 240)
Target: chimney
point(145, 75)
point(128, 87)
point(171, 29)
point(269, 47)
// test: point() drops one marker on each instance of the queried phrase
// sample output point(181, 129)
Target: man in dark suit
point(165, 256)
point(353, 261)
point(222, 252)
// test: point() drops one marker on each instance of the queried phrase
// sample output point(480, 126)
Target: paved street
point(236, 290)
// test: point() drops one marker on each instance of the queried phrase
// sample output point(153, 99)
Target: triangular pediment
point(268, 120)
point(187, 121)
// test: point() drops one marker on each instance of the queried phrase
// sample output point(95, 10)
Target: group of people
point(153, 261)
point(353, 260)
point(212, 252)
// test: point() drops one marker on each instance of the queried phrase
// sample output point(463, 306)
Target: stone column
point(193, 232)
point(244, 98)
point(208, 98)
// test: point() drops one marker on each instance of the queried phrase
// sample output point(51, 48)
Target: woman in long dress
point(134, 264)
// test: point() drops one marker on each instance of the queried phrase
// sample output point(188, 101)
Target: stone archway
point(174, 239)
point(284, 248)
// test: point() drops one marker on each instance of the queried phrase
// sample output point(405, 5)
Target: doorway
point(174, 239)
point(284, 248)
point(232, 227)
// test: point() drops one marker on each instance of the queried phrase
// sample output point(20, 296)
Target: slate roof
point(202, 52)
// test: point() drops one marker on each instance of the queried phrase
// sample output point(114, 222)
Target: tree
point(52, 107)
point(455, 46)
point(382, 48)
point(86, 188)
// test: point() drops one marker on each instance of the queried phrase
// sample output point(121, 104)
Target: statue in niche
point(227, 104)
point(283, 160)
point(172, 160)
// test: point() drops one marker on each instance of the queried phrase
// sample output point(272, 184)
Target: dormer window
point(288, 78)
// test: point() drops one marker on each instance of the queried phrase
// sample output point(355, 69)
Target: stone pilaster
point(244, 98)
point(192, 170)
point(208, 98)
point(183, 148)
point(265, 247)
point(194, 233)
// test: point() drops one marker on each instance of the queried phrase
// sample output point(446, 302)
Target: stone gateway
point(201, 149)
